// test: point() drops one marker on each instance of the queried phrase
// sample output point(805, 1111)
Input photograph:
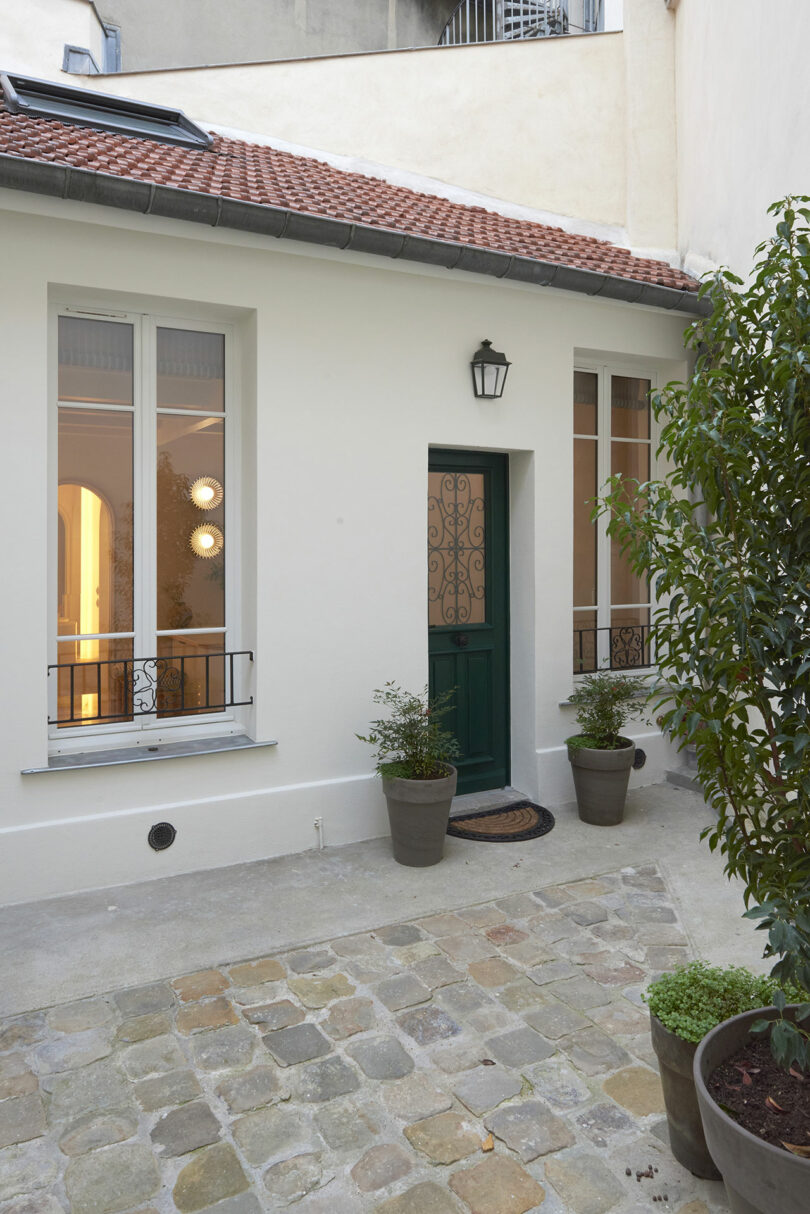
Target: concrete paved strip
point(63, 949)
point(380, 1095)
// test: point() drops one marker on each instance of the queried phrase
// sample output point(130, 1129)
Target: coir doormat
point(513, 823)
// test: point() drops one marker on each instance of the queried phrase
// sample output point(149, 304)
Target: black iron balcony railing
point(624, 647)
point(173, 685)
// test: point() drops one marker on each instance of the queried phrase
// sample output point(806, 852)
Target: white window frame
point(604, 371)
point(149, 730)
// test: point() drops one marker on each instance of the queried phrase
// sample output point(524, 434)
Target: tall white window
point(141, 630)
point(612, 435)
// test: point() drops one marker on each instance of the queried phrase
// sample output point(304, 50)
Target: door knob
point(461, 639)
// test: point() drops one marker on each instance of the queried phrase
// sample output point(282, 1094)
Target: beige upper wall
point(539, 123)
point(179, 33)
point(33, 34)
point(743, 108)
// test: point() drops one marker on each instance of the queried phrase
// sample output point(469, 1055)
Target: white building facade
point(221, 443)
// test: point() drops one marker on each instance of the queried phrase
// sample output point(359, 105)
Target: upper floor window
point(612, 435)
point(142, 594)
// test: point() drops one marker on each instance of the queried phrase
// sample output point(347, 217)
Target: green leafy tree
point(726, 539)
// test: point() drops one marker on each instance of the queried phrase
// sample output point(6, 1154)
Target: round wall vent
point(639, 758)
point(162, 835)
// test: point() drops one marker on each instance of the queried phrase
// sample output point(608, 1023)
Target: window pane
point(190, 679)
point(95, 361)
point(456, 548)
point(95, 522)
point(190, 522)
point(584, 530)
point(585, 635)
point(94, 682)
point(630, 460)
point(190, 370)
point(585, 397)
point(630, 407)
point(629, 633)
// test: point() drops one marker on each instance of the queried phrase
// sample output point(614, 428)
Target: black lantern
point(489, 368)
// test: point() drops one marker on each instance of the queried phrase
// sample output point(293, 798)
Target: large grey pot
point(418, 812)
point(600, 779)
point(772, 1180)
point(676, 1058)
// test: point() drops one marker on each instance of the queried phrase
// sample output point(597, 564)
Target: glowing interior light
point(206, 540)
point(89, 577)
point(206, 493)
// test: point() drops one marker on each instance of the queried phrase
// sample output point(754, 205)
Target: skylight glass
point(44, 99)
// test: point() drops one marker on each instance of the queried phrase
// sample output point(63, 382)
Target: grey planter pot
point(600, 779)
point(418, 813)
point(676, 1059)
point(772, 1180)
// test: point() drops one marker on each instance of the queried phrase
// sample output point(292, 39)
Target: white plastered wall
point(337, 431)
point(743, 123)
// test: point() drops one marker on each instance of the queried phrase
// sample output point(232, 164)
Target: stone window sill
point(147, 754)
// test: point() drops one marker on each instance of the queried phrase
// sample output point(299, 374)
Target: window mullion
point(146, 479)
point(603, 539)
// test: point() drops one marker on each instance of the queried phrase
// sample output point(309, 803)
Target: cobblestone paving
point(493, 1060)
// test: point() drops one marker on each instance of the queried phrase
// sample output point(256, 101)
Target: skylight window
point(44, 99)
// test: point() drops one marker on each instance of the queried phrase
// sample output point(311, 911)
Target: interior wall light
point(206, 540)
point(206, 493)
point(489, 371)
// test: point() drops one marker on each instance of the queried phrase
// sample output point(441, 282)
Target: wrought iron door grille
point(628, 648)
point(172, 685)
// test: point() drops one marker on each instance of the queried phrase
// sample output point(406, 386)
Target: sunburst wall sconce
point(206, 540)
point(206, 493)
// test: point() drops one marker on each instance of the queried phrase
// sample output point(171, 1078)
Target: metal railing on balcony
point(626, 647)
point(512, 20)
point(172, 685)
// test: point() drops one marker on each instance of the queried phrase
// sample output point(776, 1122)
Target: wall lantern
point(206, 540)
point(489, 369)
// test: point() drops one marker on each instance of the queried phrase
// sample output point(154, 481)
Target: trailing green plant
point(726, 540)
point(606, 701)
point(411, 741)
point(695, 998)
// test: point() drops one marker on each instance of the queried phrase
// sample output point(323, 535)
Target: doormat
point(513, 823)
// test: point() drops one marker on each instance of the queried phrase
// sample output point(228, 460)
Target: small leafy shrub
point(411, 742)
point(695, 998)
point(606, 701)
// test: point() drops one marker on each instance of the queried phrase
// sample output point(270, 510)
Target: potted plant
point(599, 755)
point(684, 1006)
point(724, 541)
point(419, 782)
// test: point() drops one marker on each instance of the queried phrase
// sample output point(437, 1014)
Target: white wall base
point(93, 852)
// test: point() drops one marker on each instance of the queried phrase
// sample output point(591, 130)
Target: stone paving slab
point(493, 1060)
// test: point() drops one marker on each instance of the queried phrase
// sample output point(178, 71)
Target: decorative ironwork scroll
point(627, 647)
point(456, 548)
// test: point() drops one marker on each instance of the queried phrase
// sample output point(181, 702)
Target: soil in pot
point(764, 1099)
point(760, 1177)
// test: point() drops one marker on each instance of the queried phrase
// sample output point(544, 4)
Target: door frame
point(498, 574)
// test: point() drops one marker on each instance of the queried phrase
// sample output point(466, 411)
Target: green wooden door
point(468, 607)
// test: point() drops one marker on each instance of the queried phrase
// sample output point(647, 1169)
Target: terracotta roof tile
point(252, 173)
